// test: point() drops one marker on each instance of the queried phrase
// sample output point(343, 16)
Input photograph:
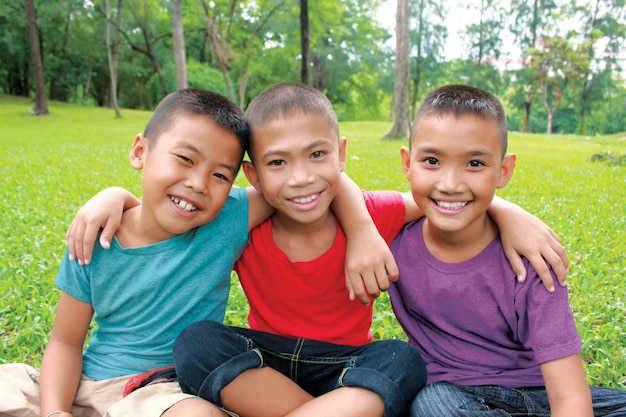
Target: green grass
point(49, 166)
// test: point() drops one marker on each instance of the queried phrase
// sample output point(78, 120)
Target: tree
point(41, 105)
point(530, 21)
point(555, 63)
point(179, 45)
point(401, 125)
point(111, 47)
point(304, 40)
point(603, 22)
point(428, 39)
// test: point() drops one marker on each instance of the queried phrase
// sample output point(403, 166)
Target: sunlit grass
point(50, 165)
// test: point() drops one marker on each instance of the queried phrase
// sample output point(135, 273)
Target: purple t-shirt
point(473, 323)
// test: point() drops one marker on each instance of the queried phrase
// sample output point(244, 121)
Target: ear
point(138, 151)
point(506, 170)
point(405, 154)
point(343, 145)
point(252, 175)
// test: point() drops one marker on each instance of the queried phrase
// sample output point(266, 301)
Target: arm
point(62, 362)
point(566, 384)
point(258, 208)
point(370, 266)
point(104, 210)
point(523, 234)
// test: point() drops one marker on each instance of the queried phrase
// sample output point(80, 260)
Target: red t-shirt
point(309, 299)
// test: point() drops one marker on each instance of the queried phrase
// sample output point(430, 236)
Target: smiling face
point(454, 166)
point(298, 160)
point(187, 174)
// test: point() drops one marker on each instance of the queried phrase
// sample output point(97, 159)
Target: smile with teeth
point(451, 205)
point(304, 200)
point(183, 204)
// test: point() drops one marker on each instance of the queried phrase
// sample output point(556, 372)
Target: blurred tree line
point(567, 75)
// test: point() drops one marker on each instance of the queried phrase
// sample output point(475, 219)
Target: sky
point(457, 19)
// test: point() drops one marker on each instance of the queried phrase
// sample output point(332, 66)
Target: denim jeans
point(208, 356)
point(448, 400)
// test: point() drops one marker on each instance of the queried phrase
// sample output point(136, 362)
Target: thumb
point(107, 234)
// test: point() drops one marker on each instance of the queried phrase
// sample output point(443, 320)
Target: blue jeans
point(448, 400)
point(208, 356)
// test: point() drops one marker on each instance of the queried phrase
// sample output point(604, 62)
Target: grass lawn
point(50, 165)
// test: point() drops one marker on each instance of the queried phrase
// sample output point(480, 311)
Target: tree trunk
point(111, 47)
point(401, 125)
point(41, 105)
point(304, 40)
point(526, 127)
point(179, 45)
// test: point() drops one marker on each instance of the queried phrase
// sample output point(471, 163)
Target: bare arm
point(566, 384)
point(258, 208)
point(525, 235)
point(62, 362)
point(102, 211)
point(370, 266)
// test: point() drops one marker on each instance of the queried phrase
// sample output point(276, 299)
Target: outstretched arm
point(62, 362)
point(370, 266)
point(525, 235)
point(567, 388)
point(102, 211)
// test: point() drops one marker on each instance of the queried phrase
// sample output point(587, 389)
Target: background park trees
point(557, 64)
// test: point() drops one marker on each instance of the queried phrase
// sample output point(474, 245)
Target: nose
point(450, 181)
point(300, 175)
point(198, 182)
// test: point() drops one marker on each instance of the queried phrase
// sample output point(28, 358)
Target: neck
point(462, 245)
point(303, 242)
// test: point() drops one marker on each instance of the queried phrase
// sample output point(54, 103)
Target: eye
point(317, 154)
point(185, 159)
point(277, 162)
point(475, 164)
point(221, 176)
point(431, 161)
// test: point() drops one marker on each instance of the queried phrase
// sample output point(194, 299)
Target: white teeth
point(304, 200)
point(451, 205)
point(183, 204)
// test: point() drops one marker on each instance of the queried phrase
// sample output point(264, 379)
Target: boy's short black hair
point(284, 99)
point(193, 101)
point(461, 100)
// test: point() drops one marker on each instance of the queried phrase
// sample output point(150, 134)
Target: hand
point(102, 211)
point(539, 244)
point(370, 266)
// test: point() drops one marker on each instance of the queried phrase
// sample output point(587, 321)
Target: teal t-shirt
point(144, 297)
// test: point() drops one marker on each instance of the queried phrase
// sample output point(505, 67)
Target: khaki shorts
point(19, 396)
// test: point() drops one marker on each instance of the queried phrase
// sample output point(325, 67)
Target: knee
point(411, 361)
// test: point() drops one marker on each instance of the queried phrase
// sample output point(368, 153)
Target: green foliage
point(50, 165)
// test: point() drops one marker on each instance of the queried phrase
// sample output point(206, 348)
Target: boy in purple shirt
point(483, 335)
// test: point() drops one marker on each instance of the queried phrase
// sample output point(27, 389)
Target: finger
point(358, 289)
point(76, 240)
point(70, 243)
point(349, 285)
point(107, 234)
point(371, 283)
point(561, 254)
point(517, 264)
point(88, 241)
point(392, 269)
point(558, 266)
point(542, 269)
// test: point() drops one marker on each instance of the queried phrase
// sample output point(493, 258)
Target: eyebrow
point(437, 151)
point(279, 152)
